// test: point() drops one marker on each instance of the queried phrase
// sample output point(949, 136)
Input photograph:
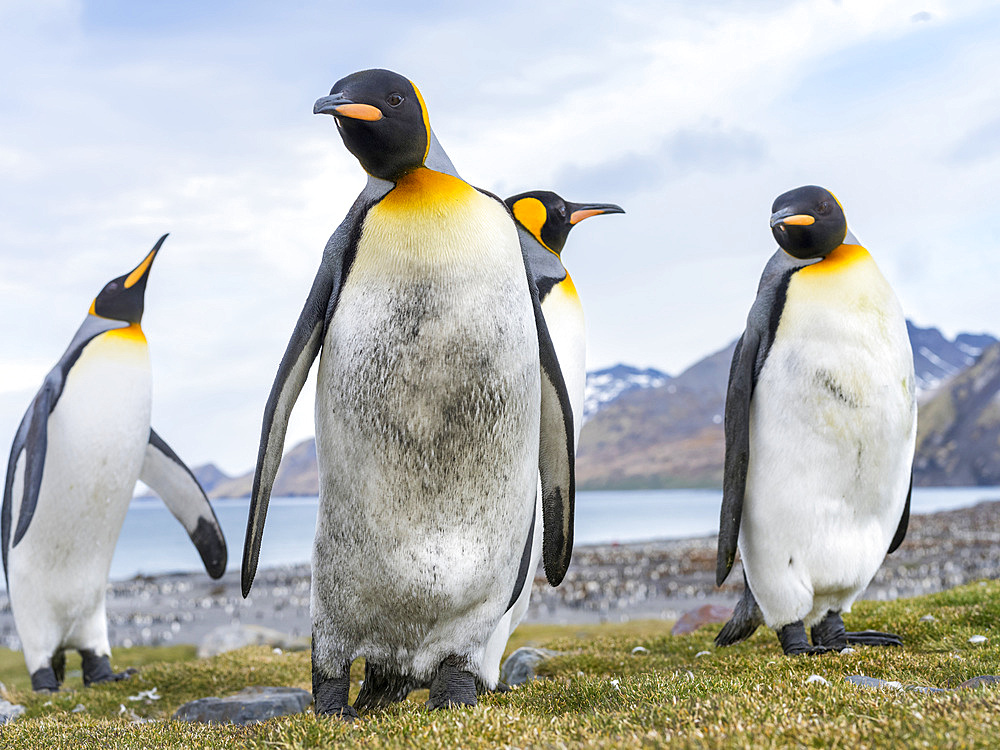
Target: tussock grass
point(598, 693)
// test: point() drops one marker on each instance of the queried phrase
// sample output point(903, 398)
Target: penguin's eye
point(394, 100)
point(112, 286)
point(823, 208)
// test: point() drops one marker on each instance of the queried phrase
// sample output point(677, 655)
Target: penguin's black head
point(122, 298)
point(549, 218)
point(808, 222)
point(382, 119)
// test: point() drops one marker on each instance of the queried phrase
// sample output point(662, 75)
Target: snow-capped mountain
point(604, 386)
point(937, 360)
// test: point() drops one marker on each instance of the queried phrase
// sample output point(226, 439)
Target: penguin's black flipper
point(31, 440)
point(556, 454)
point(737, 426)
point(304, 345)
point(748, 360)
point(168, 476)
point(904, 520)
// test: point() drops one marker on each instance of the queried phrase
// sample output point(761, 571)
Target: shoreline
point(605, 583)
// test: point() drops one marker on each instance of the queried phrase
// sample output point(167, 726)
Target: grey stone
point(520, 666)
point(248, 706)
point(873, 682)
point(986, 679)
point(9, 711)
point(231, 637)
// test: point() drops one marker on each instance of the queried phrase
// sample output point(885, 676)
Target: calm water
point(153, 542)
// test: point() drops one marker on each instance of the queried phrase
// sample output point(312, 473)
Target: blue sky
point(120, 121)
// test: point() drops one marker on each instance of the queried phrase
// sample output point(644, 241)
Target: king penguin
point(77, 454)
point(439, 402)
point(544, 220)
point(820, 426)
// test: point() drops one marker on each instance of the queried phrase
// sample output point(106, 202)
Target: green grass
point(598, 693)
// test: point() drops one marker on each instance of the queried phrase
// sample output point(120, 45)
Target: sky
point(120, 121)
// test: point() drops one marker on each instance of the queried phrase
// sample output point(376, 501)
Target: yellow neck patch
point(532, 215)
point(132, 332)
point(842, 258)
point(424, 188)
point(568, 287)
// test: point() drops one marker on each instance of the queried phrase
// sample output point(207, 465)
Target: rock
point(231, 637)
point(520, 666)
point(9, 711)
point(817, 678)
point(977, 639)
point(872, 682)
point(248, 706)
point(928, 618)
point(986, 679)
point(705, 615)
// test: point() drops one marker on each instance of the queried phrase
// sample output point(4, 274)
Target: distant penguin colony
point(439, 402)
point(82, 445)
point(820, 424)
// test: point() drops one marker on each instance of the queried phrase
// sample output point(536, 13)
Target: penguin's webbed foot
point(44, 680)
point(794, 641)
point(830, 632)
point(97, 669)
point(873, 638)
point(452, 686)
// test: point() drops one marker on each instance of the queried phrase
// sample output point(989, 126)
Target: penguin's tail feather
point(746, 618)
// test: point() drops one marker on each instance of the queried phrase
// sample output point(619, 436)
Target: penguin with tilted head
point(439, 401)
point(544, 220)
point(820, 427)
point(77, 454)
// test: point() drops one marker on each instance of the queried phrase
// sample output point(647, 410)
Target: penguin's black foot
point(330, 693)
point(873, 638)
point(97, 669)
point(794, 642)
point(452, 686)
point(44, 680)
point(830, 632)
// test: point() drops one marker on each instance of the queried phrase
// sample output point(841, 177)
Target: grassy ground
point(599, 693)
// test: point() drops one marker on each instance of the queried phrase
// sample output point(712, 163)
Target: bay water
point(152, 542)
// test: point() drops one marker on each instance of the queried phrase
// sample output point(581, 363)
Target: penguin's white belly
point(427, 421)
point(832, 430)
point(564, 318)
point(97, 436)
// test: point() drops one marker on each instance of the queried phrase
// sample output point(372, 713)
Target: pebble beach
point(605, 583)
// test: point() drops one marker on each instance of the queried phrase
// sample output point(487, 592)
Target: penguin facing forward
point(820, 426)
point(544, 220)
point(439, 402)
point(77, 454)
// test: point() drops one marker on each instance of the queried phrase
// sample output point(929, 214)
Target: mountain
point(646, 429)
point(672, 435)
point(936, 360)
point(297, 475)
point(604, 386)
point(958, 433)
